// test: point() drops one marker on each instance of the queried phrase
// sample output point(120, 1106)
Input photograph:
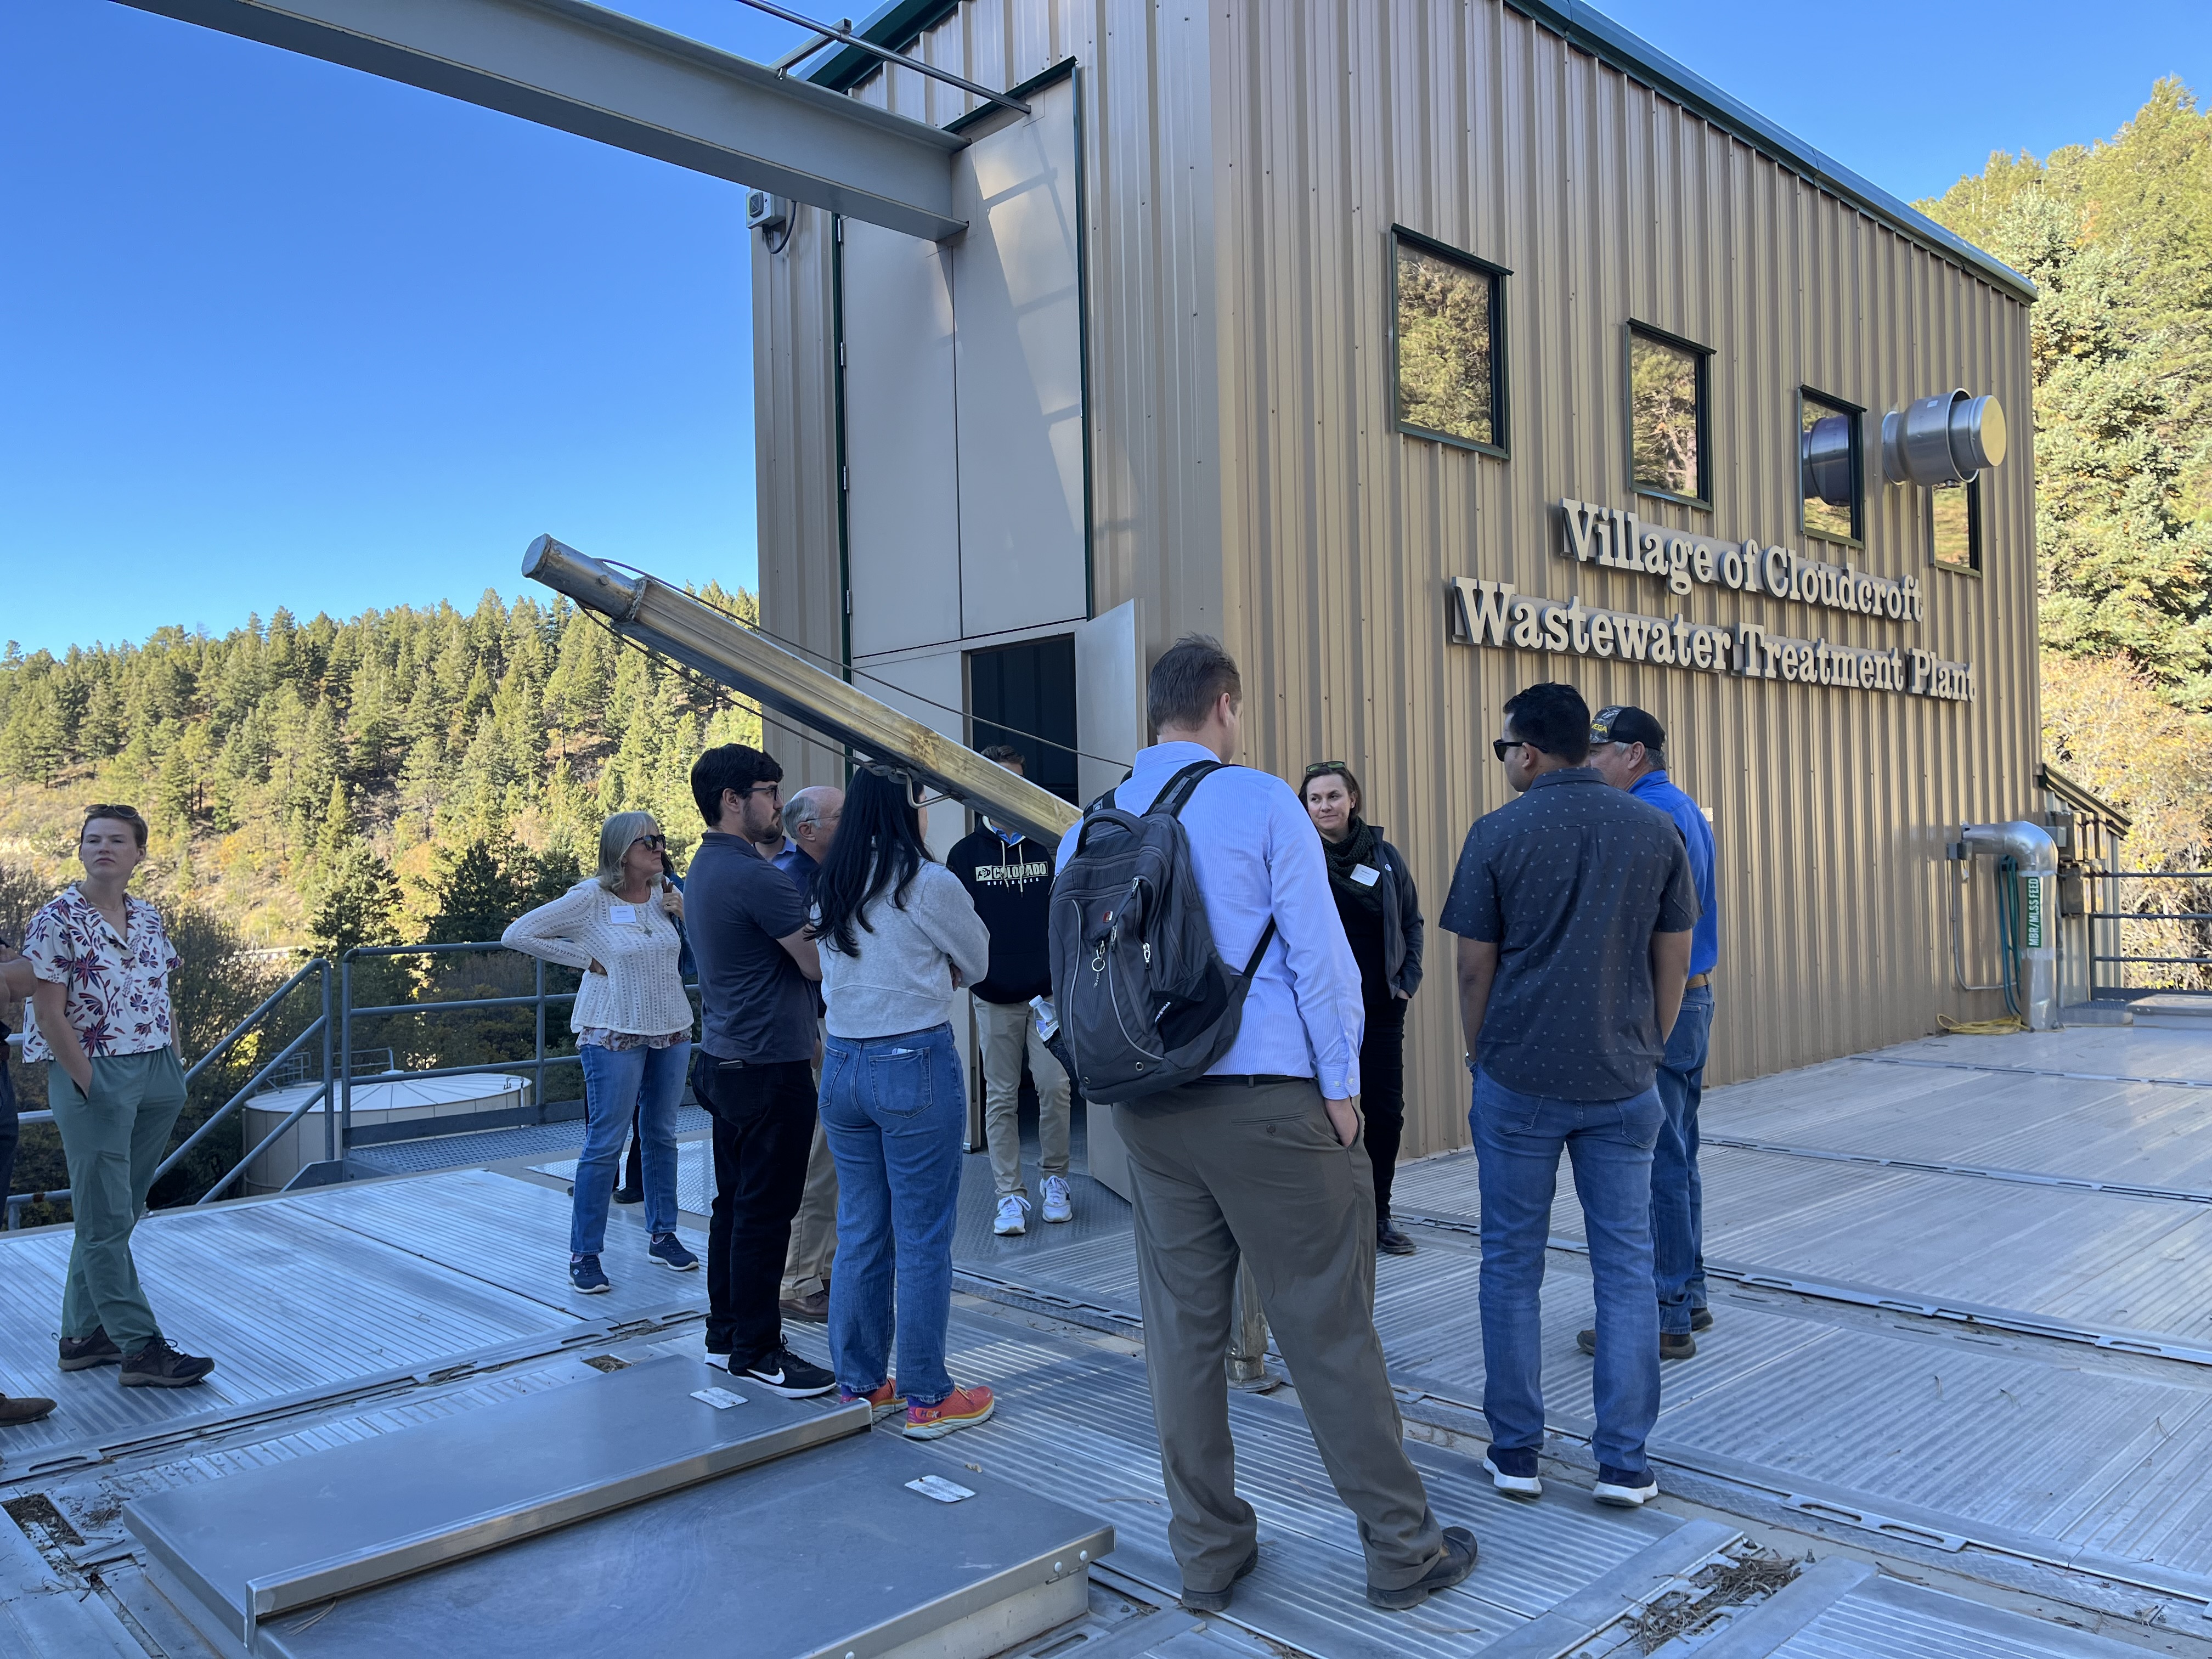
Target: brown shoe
point(1670, 1347)
point(814, 1309)
point(22, 1408)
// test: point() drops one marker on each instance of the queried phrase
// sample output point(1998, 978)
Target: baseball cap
point(1623, 723)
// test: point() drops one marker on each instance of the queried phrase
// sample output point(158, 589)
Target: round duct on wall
point(1943, 440)
point(1825, 461)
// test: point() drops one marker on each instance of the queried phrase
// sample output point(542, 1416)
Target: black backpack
point(1144, 999)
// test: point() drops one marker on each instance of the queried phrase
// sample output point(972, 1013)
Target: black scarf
point(1359, 847)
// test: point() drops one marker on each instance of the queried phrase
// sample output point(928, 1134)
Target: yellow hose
point(2004, 1027)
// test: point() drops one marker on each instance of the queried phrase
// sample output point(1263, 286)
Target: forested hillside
point(402, 774)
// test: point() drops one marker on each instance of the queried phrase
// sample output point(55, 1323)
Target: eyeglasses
point(772, 791)
point(651, 843)
point(1500, 747)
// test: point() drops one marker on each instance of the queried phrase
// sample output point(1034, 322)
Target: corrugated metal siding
point(1244, 168)
point(1474, 125)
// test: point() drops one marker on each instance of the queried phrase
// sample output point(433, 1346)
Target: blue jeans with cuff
point(1518, 1139)
point(1678, 1199)
point(615, 1081)
point(895, 1110)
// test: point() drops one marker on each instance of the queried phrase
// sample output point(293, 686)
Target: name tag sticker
point(622, 914)
point(937, 1486)
point(1367, 874)
point(721, 1399)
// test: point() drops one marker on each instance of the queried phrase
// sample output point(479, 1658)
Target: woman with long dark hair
point(1382, 915)
point(898, 935)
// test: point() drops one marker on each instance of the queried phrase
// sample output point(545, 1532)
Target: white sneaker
point(1526, 1487)
point(1626, 1494)
point(1056, 1206)
point(1013, 1210)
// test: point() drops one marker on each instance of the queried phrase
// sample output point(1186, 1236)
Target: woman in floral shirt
point(100, 1013)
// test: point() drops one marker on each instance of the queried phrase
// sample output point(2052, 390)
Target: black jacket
point(1012, 887)
point(1401, 920)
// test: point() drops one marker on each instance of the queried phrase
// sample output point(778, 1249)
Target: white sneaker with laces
point(1014, 1212)
point(1056, 1204)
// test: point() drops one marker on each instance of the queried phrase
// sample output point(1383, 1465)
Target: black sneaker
point(158, 1365)
point(1701, 1319)
point(585, 1274)
point(82, 1353)
point(1390, 1240)
point(668, 1250)
point(1671, 1347)
point(1457, 1561)
point(785, 1373)
point(629, 1195)
point(1218, 1600)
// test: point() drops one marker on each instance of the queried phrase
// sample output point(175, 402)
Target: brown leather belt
point(1697, 981)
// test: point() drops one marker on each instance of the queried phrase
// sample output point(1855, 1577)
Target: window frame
point(1703, 501)
point(1857, 414)
point(1977, 530)
point(1500, 421)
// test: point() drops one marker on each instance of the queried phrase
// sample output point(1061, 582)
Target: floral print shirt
point(118, 1000)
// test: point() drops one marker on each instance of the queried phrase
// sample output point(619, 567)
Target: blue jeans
point(615, 1081)
point(895, 1111)
point(1518, 1141)
point(1677, 1197)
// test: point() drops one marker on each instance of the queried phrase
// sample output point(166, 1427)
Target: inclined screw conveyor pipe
point(668, 620)
point(2027, 873)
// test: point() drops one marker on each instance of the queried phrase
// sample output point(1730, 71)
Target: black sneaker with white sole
point(158, 1365)
point(785, 1373)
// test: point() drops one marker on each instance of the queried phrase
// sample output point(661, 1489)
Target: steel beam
point(670, 621)
point(604, 76)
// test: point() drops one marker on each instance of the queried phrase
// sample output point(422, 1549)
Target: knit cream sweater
point(640, 992)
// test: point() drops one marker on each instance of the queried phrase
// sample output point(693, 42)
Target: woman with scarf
point(1382, 915)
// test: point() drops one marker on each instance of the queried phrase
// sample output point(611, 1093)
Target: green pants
point(113, 1140)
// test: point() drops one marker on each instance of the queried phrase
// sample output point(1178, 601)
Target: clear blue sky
point(275, 333)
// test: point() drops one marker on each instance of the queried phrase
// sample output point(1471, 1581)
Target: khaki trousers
point(1218, 1174)
point(814, 1228)
point(1006, 1029)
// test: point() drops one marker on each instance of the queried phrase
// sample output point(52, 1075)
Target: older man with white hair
point(809, 818)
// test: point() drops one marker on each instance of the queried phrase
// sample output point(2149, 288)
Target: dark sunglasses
point(1501, 748)
point(652, 843)
point(1321, 766)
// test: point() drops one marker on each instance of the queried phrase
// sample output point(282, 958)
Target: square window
point(1448, 343)
point(1829, 472)
point(1954, 526)
point(1668, 436)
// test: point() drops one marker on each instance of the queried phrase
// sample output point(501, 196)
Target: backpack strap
point(1180, 788)
point(1266, 938)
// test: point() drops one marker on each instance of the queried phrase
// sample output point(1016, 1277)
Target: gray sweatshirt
point(902, 980)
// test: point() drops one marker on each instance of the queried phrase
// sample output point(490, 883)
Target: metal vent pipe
point(2030, 847)
point(670, 621)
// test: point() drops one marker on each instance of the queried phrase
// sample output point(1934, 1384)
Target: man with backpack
point(1195, 944)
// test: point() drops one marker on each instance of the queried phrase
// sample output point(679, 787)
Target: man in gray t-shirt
point(1573, 905)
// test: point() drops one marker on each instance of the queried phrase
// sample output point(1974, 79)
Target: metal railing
point(2094, 914)
point(311, 1056)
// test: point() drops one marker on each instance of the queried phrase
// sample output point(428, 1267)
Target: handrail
point(239, 1030)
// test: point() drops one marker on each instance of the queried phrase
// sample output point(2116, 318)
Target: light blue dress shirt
point(1255, 852)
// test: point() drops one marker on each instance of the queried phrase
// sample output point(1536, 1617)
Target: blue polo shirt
point(1698, 837)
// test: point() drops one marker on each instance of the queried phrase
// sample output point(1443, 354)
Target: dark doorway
point(1024, 695)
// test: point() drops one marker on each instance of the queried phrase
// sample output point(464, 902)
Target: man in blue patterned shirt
point(1573, 905)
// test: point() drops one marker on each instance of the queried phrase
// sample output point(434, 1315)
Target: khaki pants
point(1220, 1173)
point(814, 1228)
point(1005, 1027)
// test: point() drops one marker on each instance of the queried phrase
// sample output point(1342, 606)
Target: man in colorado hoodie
point(1010, 878)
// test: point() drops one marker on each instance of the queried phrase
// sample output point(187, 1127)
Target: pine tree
point(358, 905)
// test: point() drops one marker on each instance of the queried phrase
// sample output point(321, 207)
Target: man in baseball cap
point(1628, 747)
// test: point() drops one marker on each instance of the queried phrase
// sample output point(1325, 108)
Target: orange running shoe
point(881, 1404)
point(962, 1408)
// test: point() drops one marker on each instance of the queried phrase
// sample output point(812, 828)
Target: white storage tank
point(376, 1101)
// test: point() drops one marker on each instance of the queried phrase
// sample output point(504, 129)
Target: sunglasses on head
point(917, 792)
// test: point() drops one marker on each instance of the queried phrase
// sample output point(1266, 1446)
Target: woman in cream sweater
point(633, 1026)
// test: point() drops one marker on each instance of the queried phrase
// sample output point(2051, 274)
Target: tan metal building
point(1312, 323)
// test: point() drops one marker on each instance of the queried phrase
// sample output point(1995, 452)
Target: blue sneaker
point(668, 1250)
point(584, 1273)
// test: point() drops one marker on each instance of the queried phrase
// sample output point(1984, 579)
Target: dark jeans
point(763, 1129)
point(1382, 1093)
point(1678, 1195)
point(9, 1130)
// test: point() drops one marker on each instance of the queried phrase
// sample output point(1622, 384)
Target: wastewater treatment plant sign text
point(1497, 616)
